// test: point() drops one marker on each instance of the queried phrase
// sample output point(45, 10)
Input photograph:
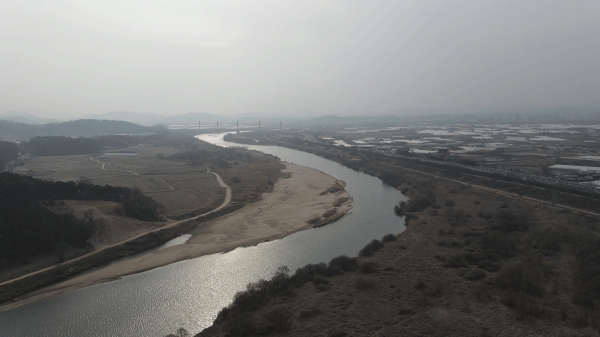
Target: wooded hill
point(8, 151)
point(77, 128)
point(66, 146)
point(33, 221)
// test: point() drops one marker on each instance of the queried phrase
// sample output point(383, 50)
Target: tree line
point(76, 128)
point(34, 221)
point(61, 146)
point(8, 151)
point(68, 146)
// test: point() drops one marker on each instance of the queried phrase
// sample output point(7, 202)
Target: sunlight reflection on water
point(190, 293)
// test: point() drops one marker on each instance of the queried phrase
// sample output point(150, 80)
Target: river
point(190, 293)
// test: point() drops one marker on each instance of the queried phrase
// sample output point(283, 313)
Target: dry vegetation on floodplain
point(472, 262)
point(483, 265)
point(248, 173)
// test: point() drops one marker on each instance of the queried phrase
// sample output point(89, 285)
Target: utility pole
point(279, 125)
point(217, 126)
point(199, 126)
point(237, 126)
point(258, 125)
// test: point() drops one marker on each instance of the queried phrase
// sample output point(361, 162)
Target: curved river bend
point(190, 293)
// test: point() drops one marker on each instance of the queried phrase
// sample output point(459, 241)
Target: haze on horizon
point(64, 59)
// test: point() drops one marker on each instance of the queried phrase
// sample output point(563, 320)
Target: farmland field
point(147, 184)
point(180, 202)
point(179, 187)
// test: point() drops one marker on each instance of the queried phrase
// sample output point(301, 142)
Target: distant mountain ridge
point(191, 118)
point(78, 128)
point(127, 116)
point(589, 112)
point(154, 119)
point(24, 117)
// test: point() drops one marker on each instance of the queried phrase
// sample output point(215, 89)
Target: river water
point(190, 293)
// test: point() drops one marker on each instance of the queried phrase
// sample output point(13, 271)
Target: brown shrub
point(370, 248)
point(241, 324)
point(280, 318)
point(309, 313)
point(320, 280)
point(363, 283)
point(388, 238)
point(369, 267)
point(521, 278)
point(344, 262)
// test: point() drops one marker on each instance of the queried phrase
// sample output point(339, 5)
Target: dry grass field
point(181, 188)
point(470, 263)
point(478, 258)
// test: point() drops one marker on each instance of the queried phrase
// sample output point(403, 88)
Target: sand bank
point(296, 203)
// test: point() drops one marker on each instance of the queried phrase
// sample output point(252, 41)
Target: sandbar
point(294, 204)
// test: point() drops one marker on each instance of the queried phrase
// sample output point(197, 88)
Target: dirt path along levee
point(226, 202)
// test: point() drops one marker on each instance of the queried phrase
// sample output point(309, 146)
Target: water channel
point(190, 293)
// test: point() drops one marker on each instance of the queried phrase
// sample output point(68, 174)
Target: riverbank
point(26, 284)
point(473, 261)
point(293, 202)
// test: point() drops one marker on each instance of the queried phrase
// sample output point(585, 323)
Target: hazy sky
point(70, 58)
